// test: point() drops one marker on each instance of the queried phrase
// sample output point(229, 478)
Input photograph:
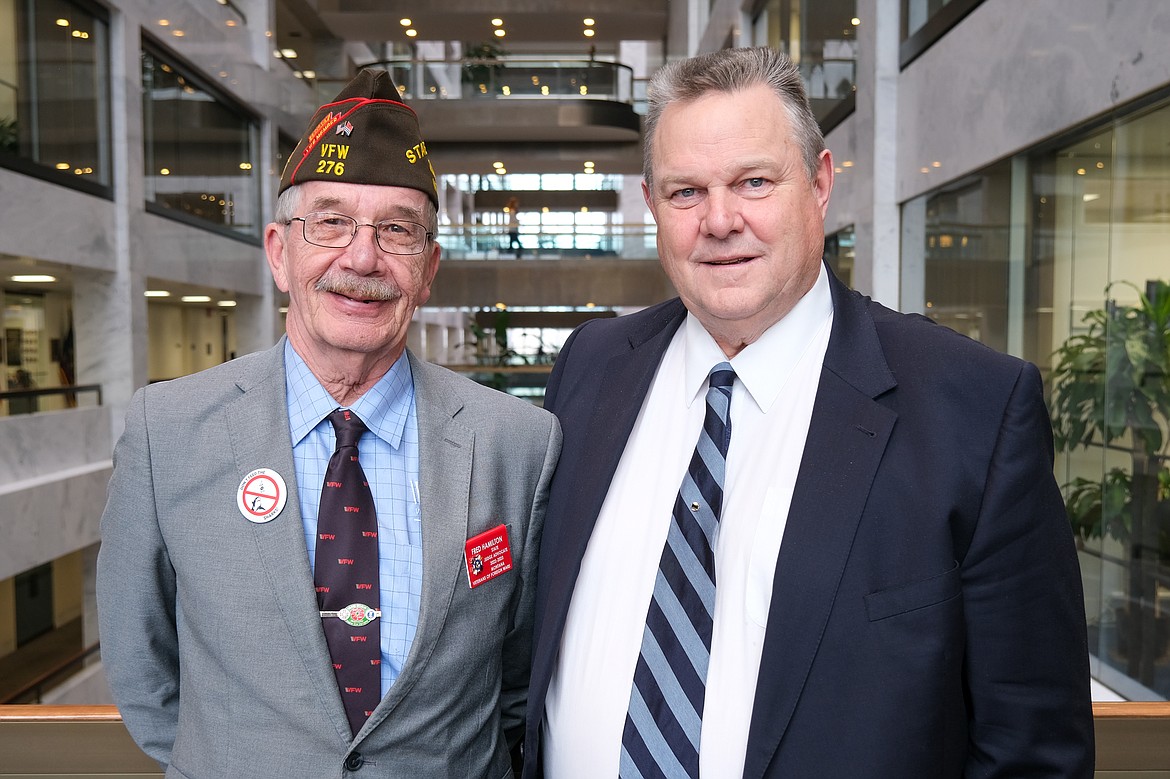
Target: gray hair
point(731, 70)
point(289, 201)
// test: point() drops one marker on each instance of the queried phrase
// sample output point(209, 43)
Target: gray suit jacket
point(211, 636)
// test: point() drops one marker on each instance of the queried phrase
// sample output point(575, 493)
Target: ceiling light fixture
point(406, 22)
point(196, 298)
point(156, 293)
point(501, 32)
point(497, 22)
point(411, 33)
point(589, 33)
point(589, 21)
point(33, 278)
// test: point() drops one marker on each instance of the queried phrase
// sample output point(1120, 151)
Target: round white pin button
point(261, 495)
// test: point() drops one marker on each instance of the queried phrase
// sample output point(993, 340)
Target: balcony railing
point(548, 242)
point(512, 78)
point(30, 401)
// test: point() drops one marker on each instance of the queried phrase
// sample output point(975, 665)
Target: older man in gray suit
point(223, 649)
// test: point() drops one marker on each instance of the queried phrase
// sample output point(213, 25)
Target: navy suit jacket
point(927, 616)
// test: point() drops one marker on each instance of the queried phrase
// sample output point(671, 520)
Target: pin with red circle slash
point(261, 495)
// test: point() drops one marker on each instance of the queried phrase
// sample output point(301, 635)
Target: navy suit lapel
point(625, 382)
point(845, 444)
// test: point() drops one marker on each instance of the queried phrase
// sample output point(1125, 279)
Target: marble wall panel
point(44, 518)
point(50, 222)
point(38, 446)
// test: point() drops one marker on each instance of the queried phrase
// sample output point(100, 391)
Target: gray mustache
point(358, 287)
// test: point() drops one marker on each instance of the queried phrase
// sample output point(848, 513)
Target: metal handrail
point(45, 391)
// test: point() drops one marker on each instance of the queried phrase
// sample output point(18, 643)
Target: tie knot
point(722, 376)
point(347, 426)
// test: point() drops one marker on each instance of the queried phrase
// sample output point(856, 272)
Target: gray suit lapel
point(445, 455)
point(257, 422)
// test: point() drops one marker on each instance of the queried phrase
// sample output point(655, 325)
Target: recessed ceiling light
point(33, 278)
point(589, 21)
point(196, 299)
point(501, 32)
point(589, 33)
point(497, 22)
point(405, 22)
point(156, 293)
point(62, 22)
point(226, 304)
point(411, 33)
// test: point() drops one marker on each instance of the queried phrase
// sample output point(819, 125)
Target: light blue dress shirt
point(389, 459)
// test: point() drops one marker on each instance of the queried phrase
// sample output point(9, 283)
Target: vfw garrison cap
point(367, 135)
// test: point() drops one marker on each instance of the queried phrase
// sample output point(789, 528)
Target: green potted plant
point(9, 140)
point(1111, 391)
point(482, 67)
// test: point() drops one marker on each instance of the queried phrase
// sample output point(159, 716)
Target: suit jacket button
point(354, 761)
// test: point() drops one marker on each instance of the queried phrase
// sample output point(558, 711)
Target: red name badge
point(487, 555)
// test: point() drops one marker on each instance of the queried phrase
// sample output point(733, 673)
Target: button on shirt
point(389, 457)
point(771, 409)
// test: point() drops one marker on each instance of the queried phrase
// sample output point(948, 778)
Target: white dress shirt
point(771, 407)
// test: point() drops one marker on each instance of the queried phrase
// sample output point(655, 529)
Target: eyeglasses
point(336, 231)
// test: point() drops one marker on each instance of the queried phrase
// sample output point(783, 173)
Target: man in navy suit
point(897, 591)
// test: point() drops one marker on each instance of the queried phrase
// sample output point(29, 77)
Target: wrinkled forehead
point(365, 200)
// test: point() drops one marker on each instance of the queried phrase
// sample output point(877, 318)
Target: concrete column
point(109, 309)
point(876, 269)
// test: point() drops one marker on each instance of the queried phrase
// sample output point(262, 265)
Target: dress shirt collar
point(763, 366)
point(383, 408)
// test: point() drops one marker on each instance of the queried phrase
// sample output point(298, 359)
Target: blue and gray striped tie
point(661, 736)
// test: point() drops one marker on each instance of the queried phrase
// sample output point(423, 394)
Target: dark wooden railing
point(1133, 742)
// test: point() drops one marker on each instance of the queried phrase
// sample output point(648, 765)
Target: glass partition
point(200, 149)
point(504, 77)
point(54, 98)
point(1061, 256)
point(821, 38)
point(839, 253)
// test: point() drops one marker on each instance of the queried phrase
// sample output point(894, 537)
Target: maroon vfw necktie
point(346, 573)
